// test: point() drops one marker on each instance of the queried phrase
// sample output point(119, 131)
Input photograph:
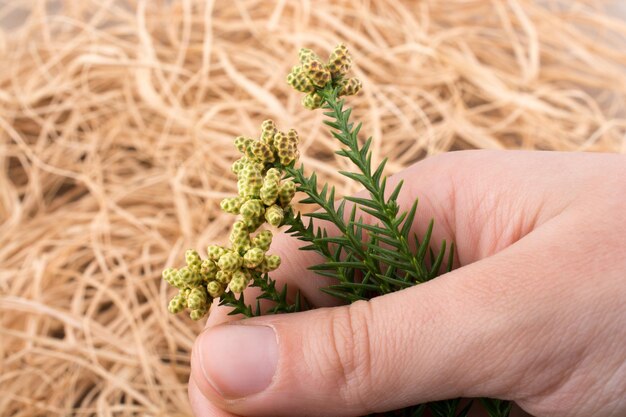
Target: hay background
point(116, 122)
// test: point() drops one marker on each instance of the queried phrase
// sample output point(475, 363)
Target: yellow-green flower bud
point(274, 215)
point(215, 289)
point(230, 262)
point(286, 192)
point(208, 269)
point(170, 275)
point(252, 224)
point(223, 277)
point(193, 260)
point(215, 252)
point(242, 187)
point(238, 165)
point(244, 165)
point(317, 72)
point(273, 173)
point(293, 137)
point(177, 304)
point(350, 87)
point(178, 282)
point(239, 226)
point(250, 169)
point(231, 204)
point(270, 263)
point(197, 298)
point(198, 313)
point(298, 79)
point(306, 55)
point(252, 209)
point(269, 191)
point(263, 240)
point(312, 101)
point(286, 147)
point(242, 143)
point(239, 282)
point(188, 277)
point(273, 262)
point(250, 181)
point(262, 152)
point(268, 130)
point(253, 257)
point(240, 236)
point(340, 61)
point(249, 153)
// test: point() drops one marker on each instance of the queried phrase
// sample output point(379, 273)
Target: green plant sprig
point(339, 267)
point(396, 230)
point(348, 255)
point(366, 258)
point(384, 257)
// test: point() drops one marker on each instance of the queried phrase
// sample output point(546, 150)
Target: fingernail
point(238, 360)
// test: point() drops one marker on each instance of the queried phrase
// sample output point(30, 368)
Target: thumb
point(437, 340)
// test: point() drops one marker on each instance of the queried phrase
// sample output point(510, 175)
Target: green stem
point(347, 134)
point(354, 246)
point(268, 292)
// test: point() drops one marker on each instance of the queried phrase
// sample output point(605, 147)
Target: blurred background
point(116, 128)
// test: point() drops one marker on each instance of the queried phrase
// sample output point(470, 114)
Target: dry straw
point(116, 129)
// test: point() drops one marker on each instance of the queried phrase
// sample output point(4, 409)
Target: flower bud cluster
point(313, 74)
point(263, 197)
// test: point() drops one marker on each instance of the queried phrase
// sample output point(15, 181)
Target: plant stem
point(374, 182)
point(347, 241)
point(268, 292)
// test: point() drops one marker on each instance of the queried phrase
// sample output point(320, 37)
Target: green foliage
point(449, 408)
point(374, 234)
point(496, 408)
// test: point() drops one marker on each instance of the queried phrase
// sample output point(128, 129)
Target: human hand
point(536, 313)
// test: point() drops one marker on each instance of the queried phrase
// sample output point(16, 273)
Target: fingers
point(351, 360)
point(434, 341)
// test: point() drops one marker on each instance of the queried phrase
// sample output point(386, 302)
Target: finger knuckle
point(351, 352)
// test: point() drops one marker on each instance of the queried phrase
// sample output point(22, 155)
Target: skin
point(535, 311)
